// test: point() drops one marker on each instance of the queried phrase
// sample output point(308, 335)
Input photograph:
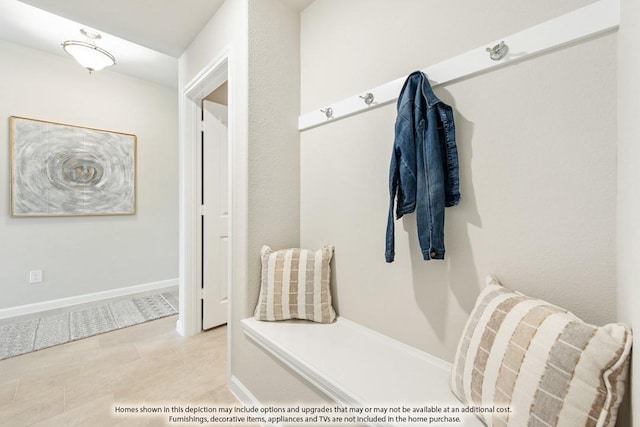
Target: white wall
point(263, 37)
point(537, 147)
point(629, 184)
point(536, 143)
point(81, 255)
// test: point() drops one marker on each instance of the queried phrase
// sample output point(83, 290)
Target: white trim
point(580, 24)
point(86, 298)
point(189, 318)
point(207, 80)
point(242, 393)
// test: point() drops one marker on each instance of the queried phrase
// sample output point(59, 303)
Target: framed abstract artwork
point(67, 170)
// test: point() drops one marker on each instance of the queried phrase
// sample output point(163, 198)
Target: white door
point(215, 227)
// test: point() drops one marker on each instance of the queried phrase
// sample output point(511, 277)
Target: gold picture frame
point(67, 170)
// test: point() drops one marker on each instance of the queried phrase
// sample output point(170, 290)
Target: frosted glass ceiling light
point(90, 56)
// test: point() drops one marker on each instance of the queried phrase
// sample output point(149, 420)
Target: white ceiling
point(167, 26)
point(146, 36)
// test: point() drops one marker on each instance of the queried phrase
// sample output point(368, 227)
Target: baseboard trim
point(242, 393)
point(38, 307)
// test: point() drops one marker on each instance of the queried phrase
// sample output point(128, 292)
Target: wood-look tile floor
point(80, 383)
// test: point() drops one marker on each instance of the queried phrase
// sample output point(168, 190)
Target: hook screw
point(498, 52)
point(368, 98)
point(327, 112)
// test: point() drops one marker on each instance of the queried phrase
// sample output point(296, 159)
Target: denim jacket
point(424, 165)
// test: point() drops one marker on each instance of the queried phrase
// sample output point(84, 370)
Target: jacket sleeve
point(449, 156)
point(402, 172)
point(394, 178)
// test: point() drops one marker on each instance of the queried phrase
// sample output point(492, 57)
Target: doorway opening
point(215, 202)
point(209, 82)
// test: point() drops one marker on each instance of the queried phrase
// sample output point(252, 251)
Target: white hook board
point(589, 21)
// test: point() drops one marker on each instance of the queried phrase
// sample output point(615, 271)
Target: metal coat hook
point(498, 52)
point(368, 98)
point(327, 112)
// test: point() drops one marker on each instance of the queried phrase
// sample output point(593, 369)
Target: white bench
point(358, 367)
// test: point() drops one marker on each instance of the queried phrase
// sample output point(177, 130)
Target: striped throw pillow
point(295, 285)
point(539, 363)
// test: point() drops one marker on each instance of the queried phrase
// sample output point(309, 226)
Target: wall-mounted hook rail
point(595, 18)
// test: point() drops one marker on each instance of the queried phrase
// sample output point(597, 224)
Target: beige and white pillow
point(295, 285)
point(541, 362)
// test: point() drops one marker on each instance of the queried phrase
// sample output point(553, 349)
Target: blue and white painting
point(66, 170)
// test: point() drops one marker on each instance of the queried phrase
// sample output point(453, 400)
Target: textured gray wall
point(537, 147)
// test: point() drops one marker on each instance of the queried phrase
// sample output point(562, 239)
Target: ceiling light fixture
point(90, 56)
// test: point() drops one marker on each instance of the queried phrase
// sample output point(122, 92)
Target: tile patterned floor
point(80, 383)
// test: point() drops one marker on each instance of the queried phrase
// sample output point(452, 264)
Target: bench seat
point(358, 367)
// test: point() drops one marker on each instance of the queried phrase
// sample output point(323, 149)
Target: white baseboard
point(180, 327)
point(242, 393)
point(38, 307)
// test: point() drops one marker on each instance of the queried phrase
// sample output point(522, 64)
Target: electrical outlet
point(35, 276)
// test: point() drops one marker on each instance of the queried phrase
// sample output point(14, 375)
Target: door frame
point(190, 251)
